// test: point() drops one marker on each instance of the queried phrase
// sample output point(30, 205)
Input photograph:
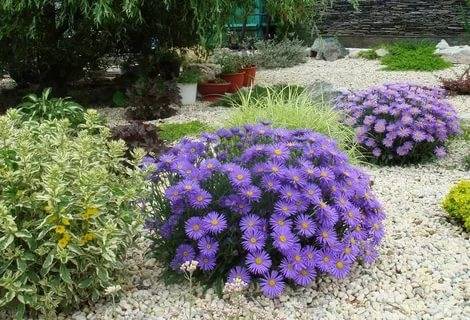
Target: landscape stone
point(329, 49)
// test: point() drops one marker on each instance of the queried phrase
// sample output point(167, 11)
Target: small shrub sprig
point(276, 205)
point(286, 53)
point(400, 123)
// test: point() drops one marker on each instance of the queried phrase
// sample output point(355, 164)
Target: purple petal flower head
point(253, 240)
point(215, 222)
point(287, 268)
point(239, 273)
point(284, 239)
point(324, 259)
point(305, 276)
point(250, 222)
point(258, 262)
point(270, 183)
point(305, 226)
point(208, 246)
point(327, 236)
point(200, 199)
point(251, 193)
point(240, 177)
point(339, 267)
point(289, 194)
point(272, 284)
point(309, 254)
point(279, 222)
point(206, 263)
point(194, 228)
point(278, 152)
point(285, 208)
point(440, 152)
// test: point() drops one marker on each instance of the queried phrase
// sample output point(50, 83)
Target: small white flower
point(112, 290)
point(237, 285)
point(189, 266)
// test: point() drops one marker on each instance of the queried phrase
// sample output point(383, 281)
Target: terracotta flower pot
point(250, 74)
point(236, 80)
point(211, 91)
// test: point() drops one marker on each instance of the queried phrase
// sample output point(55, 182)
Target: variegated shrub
point(68, 212)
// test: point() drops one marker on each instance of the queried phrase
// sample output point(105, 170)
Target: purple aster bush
point(400, 123)
point(270, 206)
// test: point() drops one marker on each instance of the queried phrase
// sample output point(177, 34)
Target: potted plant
point(213, 89)
point(187, 84)
point(231, 70)
point(249, 68)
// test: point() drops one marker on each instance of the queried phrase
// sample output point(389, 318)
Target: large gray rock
point(455, 54)
point(329, 49)
point(324, 91)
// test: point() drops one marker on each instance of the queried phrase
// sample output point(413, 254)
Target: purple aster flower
point(324, 175)
point(324, 259)
point(339, 267)
point(440, 152)
point(272, 284)
point(305, 276)
point(187, 186)
point(208, 246)
point(251, 193)
point(270, 183)
point(240, 177)
point(279, 221)
point(173, 194)
point(326, 215)
point(294, 176)
point(285, 208)
point(278, 152)
point(309, 254)
point(211, 164)
point(284, 239)
point(253, 240)
point(313, 193)
point(274, 168)
point(289, 194)
point(369, 254)
point(200, 199)
point(352, 216)
point(239, 273)
point(258, 262)
point(194, 228)
point(304, 225)
point(250, 222)
point(215, 222)
point(327, 236)
point(206, 263)
point(287, 268)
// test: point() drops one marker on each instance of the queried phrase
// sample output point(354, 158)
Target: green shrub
point(189, 75)
point(418, 56)
point(457, 203)
point(288, 107)
point(369, 55)
point(67, 212)
point(46, 108)
point(175, 131)
point(283, 54)
point(229, 61)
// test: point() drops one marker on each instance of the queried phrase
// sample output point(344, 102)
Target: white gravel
point(424, 268)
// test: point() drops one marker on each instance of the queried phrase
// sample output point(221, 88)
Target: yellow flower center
point(297, 258)
point(350, 214)
point(324, 234)
point(304, 225)
point(322, 205)
point(272, 282)
point(60, 229)
point(188, 187)
point(240, 177)
point(285, 209)
point(296, 178)
point(281, 222)
point(199, 198)
point(214, 222)
point(347, 250)
point(249, 193)
point(323, 174)
point(304, 272)
point(196, 227)
point(326, 259)
point(339, 265)
point(275, 169)
point(210, 166)
point(253, 240)
point(277, 152)
point(258, 261)
point(282, 238)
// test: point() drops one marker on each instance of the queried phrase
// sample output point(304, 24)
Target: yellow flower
point(88, 237)
point(90, 212)
point(64, 241)
point(60, 229)
point(65, 221)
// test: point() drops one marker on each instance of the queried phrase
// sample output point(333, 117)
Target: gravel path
point(424, 268)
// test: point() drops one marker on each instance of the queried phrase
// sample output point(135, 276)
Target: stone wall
point(396, 18)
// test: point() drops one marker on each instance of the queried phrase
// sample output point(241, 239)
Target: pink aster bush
point(273, 206)
point(398, 123)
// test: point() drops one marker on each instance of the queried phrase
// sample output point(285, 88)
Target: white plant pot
point(188, 92)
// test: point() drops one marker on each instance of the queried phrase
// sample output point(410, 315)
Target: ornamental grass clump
point(400, 123)
point(261, 204)
point(67, 213)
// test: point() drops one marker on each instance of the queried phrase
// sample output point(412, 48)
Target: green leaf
point(6, 240)
point(7, 298)
point(65, 274)
point(23, 234)
point(22, 265)
point(85, 283)
point(20, 310)
point(46, 266)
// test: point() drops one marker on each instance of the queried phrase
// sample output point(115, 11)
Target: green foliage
point(288, 107)
point(189, 75)
point(280, 54)
point(457, 203)
point(67, 212)
point(137, 134)
point(45, 108)
point(175, 131)
point(417, 55)
point(369, 55)
point(257, 92)
point(229, 61)
point(119, 99)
